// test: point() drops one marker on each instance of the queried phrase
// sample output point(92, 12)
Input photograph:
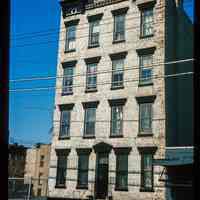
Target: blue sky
point(34, 23)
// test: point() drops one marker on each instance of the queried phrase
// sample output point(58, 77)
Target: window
point(117, 73)
point(146, 62)
point(89, 123)
point(116, 120)
point(39, 192)
point(94, 33)
point(146, 171)
point(70, 38)
point(61, 167)
point(83, 162)
point(122, 172)
point(68, 80)
point(41, 160)
point(65, 123)
point(91, 79)
point(119, 27)
point(145, 110)
point(147, 22)
point(90, 118)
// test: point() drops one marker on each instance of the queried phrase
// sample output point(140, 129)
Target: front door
point(101, 186)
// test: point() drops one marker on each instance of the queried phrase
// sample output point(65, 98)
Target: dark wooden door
point(102, 176)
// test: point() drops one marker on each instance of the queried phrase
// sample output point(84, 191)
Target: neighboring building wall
point(130, 91)
point(16, 162)
point(37, 167)
point(179, 90)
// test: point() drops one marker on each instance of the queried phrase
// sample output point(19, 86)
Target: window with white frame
point(117, 72)
point(70, 38)
point(91, 77)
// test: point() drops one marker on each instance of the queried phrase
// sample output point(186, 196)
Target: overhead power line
point(100, 72)
point(105, 83)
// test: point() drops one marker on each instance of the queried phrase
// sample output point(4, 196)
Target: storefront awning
point(176, 156)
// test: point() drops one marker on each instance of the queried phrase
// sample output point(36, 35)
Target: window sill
point(146, 36)
point(145, 134)
point(142, 84)
point(64, 138)
point(82, 187)
point(60, 186)
point(118, 41)
point(93, 46)
point(116, 136)
point(89, 136)
point(90, 90)
point(121, 189)
point(146, 189)
point(117, 87)
point(66, 93)
point(70, 50)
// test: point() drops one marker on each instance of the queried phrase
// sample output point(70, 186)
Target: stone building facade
point(109, 121)
point(37, 168)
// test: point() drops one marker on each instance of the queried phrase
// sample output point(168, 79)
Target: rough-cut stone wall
point(130, 91)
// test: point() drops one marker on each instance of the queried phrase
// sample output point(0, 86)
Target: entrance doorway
point(101, 184)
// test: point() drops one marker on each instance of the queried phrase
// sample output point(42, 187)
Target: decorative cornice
point(90, 104)
point(143, 4)
point(83, 150)
point(95, 17)
point(117, 102)
point(143, 51)
point(71, 63)
point(62, 152)
point(146, 99)
point(120, 11)
point(66, 106)
point(147, 149)
point(92, 60)
point(119, 55)
point(72, 22)
point(122, 150)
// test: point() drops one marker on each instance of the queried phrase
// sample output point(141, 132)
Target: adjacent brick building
point(37, 168)
point(110, 117)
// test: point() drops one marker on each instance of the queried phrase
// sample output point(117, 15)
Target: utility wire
point(105, 83)
point(100, 72)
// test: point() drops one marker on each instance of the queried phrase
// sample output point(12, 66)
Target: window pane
point(119, 27)
point(61, 170)
point(91, 76)
point(122, 171)
point(83, 169)
point(145, 116)
point(117, 117)
point(117, 74)
point(68, 80)
point(90, 117)
point(147, 22)
point(94, 33)
point(70, 37)
point(65, 123)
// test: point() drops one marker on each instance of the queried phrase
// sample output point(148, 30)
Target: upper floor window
point(61, 167)
point(119, 28)
point(71, 35)
point(145, 114)
point(147, 22)
point(91, 78)
point(116, 117)
point(119, 24)
point(68, 78)
point(70, 38)
point(41, 160)
point(90, 118)
point(146, 62)
point(117, 73)
point(65, 118)
point(94, 33)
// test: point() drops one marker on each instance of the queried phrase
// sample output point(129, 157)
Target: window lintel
point(72, 22)
point(66, 106)
point(117, 102)
point(64, 152)
point(150, 149)
point(92, 18)
point(120, 55)
point(71, 63)
point(144, 51)
point(122, 150)
point(90, 104)
point(83, 151)
point(145, 99)
point(120, 11)
point(92, 60)
point(145, 4)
